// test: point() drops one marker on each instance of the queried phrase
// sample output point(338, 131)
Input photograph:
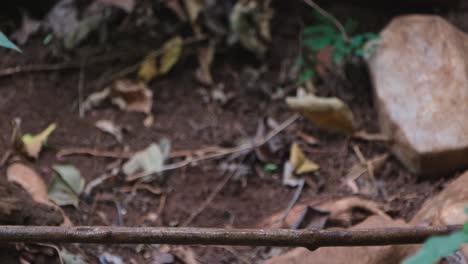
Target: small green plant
point(438, 247)
point(270, 167)
point(6, 43)
point(327, 34)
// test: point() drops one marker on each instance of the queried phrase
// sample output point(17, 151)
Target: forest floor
point(186, 114)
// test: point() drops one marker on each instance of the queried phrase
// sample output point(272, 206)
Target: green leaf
point(319, 30)
point(5, 42)
point(318, 43)
point(350, 26)
point(149, 161)
point(357, 41)
point(66, 185)
point(437, 247)
point(70, 258)
point(306, 75)
point(270, 167)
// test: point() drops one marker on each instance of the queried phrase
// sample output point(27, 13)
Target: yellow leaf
point(148, 69)
point(326, 113)
point(171, 53)
point(300, 162)
point(33, 143)
point(161, 61)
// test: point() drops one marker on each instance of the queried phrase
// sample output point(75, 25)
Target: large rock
point(420, 77)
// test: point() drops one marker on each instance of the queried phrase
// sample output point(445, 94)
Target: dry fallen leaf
point(30, 180)
point(342, 212)
point(132, 96)
point(300, 162)
point(32, 144)
point(326, 113)
point(349, 255)
point(111, 128)
point(250, 24)
point(128, 95)
point(160, 62)
point(297, 164)
point(360, 168)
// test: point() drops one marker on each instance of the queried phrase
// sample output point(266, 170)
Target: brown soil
point(183, 115)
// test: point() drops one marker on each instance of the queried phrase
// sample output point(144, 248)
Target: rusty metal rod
point(309, 238)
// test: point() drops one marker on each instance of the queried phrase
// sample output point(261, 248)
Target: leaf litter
point(148, 162)
point(66, 185)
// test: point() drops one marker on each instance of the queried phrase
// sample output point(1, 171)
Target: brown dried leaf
point(27, 178)
point(326, 113)
point(340, 212)
point(361, 168)
point(132, 96)
point(110, 128)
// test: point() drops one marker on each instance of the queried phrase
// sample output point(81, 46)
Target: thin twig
point(94, 152)
point(335, 21)
point(310, 238)
point(51, 67)
point(241, 148)
point(208, 200)
point(224, 152)
point(293, 201)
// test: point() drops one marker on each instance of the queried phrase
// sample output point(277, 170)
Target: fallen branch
point(309, 238)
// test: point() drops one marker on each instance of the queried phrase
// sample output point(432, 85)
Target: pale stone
point(420, 77)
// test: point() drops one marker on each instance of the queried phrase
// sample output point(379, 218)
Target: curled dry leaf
point(250, 24)
point(326, 113)
point(161, 61)
point(30, 180)
point(342, 212)
point(111, 128)
point(298, 164)
point(359, 169)
point(128, 95)
point(32, 144)
point(132, 96)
